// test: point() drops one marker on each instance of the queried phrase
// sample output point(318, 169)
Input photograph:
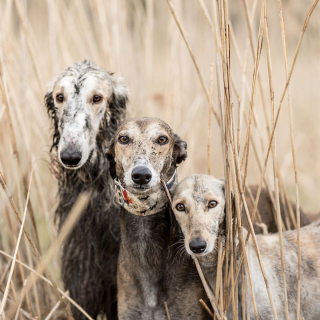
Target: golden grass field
point(140, 40)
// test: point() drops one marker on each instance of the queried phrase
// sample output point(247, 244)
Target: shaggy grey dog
point(86, 105)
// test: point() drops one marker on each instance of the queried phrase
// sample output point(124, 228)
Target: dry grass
point(145, 42)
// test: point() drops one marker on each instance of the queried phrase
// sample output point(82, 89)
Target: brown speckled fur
point(151, 269)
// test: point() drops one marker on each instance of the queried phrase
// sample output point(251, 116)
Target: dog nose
point(70, 156)
point(141, 175)
point(198, 246)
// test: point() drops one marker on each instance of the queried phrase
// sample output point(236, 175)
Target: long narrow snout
point(141, 175)
point(71, 155)
point(198, 246)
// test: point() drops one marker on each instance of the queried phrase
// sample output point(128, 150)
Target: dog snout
point(141, 175)
point(70, 156)
point(198, 246)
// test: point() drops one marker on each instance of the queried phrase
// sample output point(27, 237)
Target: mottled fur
point(89, 256)
point(201, 222)
point(151, 269)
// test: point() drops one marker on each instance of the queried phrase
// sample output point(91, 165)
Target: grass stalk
point(47, 281)
point(201, 78)
point(275, 165)
point(285, 52)
point(5, 296)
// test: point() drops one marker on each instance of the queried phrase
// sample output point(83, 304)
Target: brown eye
point(96, 98)
point(180, 207)
point(212, 204)
point(162, 140)
point(123, 139)
point(59, 97)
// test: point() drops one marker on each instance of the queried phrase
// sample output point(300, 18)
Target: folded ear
point(117, 104)
point(52, 112)
point(179, 150)
point(115, 113)
point(110, 155)
point(232, 197)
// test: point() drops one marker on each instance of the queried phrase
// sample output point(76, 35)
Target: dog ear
point(110, 155)
point(52, 112)
point(117, 104)
point(179, 150)
point(232, 196)
point(115, 113)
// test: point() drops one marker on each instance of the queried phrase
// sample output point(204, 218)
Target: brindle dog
point(199, 206)
point(150, 270)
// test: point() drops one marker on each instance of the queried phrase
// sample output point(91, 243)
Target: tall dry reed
point(204, 67)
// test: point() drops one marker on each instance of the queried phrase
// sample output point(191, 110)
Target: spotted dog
point(86, 105)
point(199, 206)
point(150, 269)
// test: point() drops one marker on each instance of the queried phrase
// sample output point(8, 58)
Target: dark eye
point(162, 140)
point(96, 98)
point(60, 97)
point(180, 207)
point(212, 204)
point(123, 139)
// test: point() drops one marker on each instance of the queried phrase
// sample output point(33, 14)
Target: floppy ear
point(110, 155)
point(115, 113)
point(117, 104)
point(232, 197)
point(52, 112)
point(179, 150)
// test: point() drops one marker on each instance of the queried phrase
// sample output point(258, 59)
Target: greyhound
point(199, 206)
point(86, 105)
point(150, 270)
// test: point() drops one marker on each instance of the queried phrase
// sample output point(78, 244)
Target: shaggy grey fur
point(89, 256)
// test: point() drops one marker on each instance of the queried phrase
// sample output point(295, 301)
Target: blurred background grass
point(140, 41)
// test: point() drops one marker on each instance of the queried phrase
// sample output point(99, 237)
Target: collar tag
point(126, 197)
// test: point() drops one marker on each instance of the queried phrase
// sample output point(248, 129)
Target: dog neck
point(143, 205)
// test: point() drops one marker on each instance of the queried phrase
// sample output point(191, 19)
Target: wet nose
point(198, 246)
point(70, 156)
point(141, 175)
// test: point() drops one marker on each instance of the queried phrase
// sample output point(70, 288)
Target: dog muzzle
point(144, 205)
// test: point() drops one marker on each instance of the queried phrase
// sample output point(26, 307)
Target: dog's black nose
point(141, 175)
point(70, 156)
point(198, 246)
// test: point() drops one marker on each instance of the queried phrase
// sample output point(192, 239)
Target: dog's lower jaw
point(149, 201)
point(143, 204)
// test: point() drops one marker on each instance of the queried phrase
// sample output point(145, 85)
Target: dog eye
point(162, 140)
point(123, 140)
point(96, 98)
point(212, 204)
point(60, 97)
point(180, 207)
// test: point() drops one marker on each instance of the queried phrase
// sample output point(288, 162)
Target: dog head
point(143, 152)
point(199, 206)
point(86, 105)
